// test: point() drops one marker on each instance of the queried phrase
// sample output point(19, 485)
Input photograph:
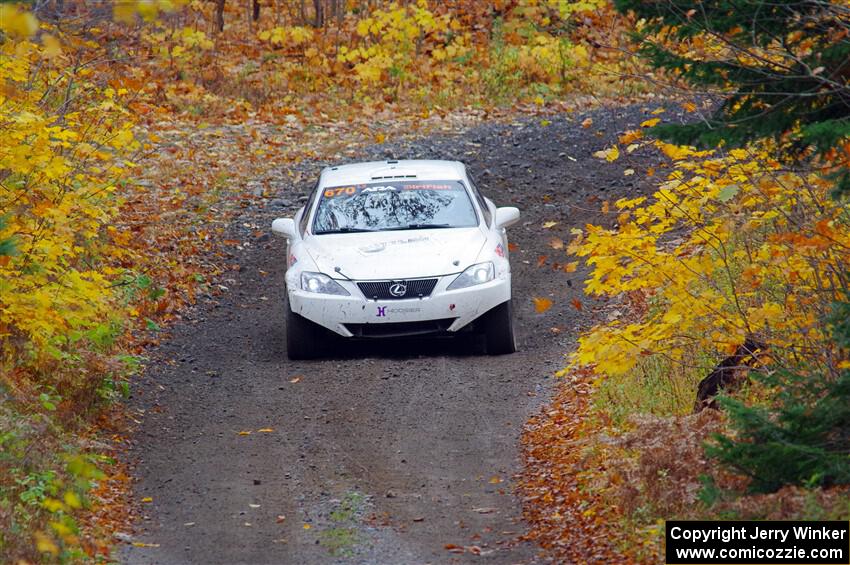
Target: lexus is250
point(394, 249)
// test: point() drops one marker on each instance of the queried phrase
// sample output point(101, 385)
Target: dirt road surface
point(383, 453)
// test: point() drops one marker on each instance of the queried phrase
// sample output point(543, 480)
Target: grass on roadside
point(655, 386)
point(341, 539)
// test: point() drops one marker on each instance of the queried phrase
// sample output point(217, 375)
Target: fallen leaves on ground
point(569, 523)
point(541, 304)
point(610, 154)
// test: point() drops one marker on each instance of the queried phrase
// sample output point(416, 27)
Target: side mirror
point(506, 216)
point(284, 227)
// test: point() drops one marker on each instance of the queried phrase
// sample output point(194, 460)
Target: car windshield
point(394, 205)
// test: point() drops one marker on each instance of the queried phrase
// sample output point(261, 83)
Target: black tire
point(303, 337)
point(499, 330)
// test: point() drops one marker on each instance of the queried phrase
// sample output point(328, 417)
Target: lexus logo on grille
point(398, 289)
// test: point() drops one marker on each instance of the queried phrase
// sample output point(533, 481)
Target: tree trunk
point(319, 7)
point(727, 375)
point(256, 10)
point(219, 15)
point(338, 10)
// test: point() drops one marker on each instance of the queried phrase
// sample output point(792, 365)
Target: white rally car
point(394, 249)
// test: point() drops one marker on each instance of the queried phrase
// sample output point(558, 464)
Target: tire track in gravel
point(384, 453)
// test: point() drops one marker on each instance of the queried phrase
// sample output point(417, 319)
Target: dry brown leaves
point(593, 492)
point(660, 461)
point(111, 509)
point(790, 503)
point(570, 524)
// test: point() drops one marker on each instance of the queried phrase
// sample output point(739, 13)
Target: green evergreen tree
point(805, 440)
point(784, 70)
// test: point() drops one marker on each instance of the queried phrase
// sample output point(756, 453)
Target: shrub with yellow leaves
point(390, 38)
point(732, 246)
point(17, 23)
point(181, 47)
point(61, 161)
point(65, 139)
point(128, 10)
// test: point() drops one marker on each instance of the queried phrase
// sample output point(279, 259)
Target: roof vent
point(393, 173)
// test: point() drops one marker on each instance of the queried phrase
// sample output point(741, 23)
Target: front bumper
point(450, 310)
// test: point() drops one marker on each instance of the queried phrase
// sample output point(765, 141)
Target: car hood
point(396, 254)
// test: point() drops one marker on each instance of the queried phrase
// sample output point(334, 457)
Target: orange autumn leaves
point(260, 431)
point(543, 304)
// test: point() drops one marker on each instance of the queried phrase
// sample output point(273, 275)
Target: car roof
point(420, 169)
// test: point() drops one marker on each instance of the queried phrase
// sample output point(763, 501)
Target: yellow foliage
point(610, 154)
point(287, 36)
point(72, 499)
point(127, 10)
point(729, 247)
point(17, 23)
point(60, 162)
point(44, 544)
point(182, 45)
point(388, 40)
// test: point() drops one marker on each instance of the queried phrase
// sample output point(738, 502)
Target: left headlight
point(476, 274)
point(321, 284)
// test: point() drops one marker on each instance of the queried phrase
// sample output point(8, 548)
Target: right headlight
point(476, 274)
point(321, 284)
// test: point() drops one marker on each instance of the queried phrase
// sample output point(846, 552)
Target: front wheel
point(499, 330)
point(303, 337)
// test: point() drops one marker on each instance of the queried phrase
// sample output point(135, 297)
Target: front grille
point(382, 290)
point(400, 329)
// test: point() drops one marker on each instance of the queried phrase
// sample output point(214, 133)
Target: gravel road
point(384, 453)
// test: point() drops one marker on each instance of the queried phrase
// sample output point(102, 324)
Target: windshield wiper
point(425, 226)
point(344, 230)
